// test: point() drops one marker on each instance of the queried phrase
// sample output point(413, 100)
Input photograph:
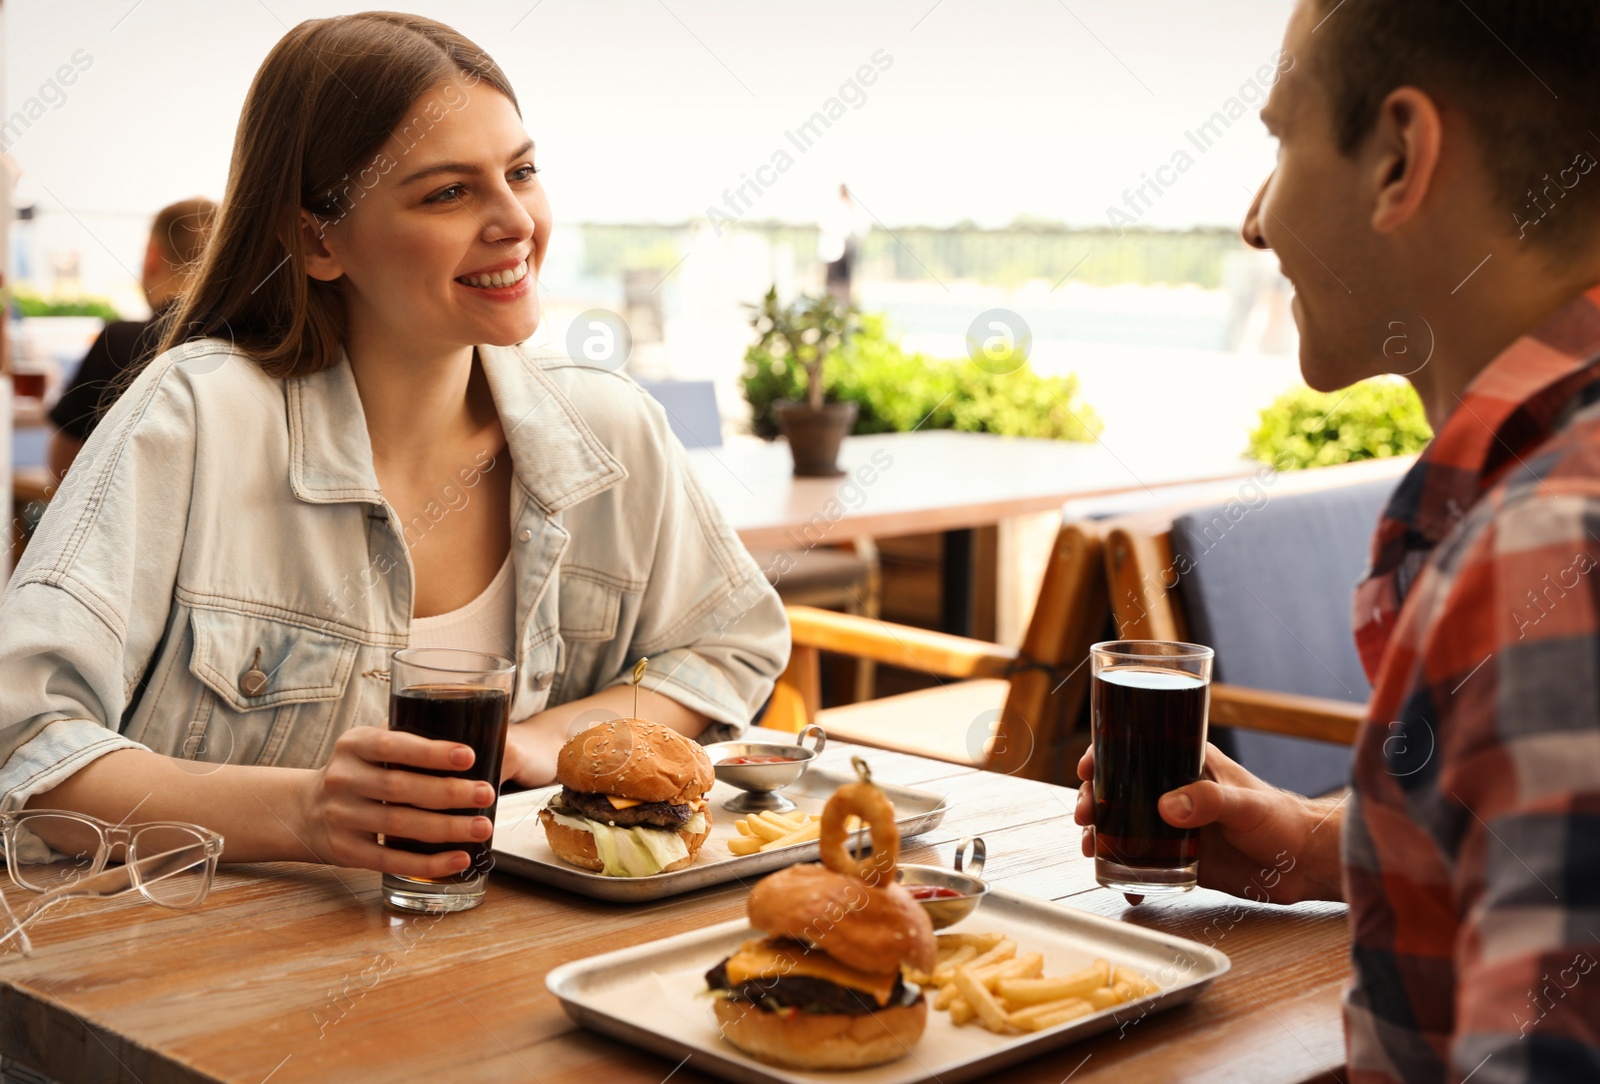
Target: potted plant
point(798, 338)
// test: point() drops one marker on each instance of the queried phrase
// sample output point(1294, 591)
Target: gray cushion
point(691, 407)
point(821, 570)
point(1268, 586)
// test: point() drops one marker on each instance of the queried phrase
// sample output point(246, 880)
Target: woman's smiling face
point(437, 243)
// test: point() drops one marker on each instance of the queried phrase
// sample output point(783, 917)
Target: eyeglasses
point(62, 855)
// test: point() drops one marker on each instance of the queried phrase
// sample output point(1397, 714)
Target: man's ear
point(321, 263)
point(1404, 157)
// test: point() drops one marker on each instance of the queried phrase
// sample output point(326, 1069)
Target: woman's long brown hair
point(326, 100)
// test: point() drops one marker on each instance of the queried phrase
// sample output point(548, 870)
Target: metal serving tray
point(520, 846)
point(650, 995)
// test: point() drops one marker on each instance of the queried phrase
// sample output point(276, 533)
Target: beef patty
point(597, 807)
point(809, 995)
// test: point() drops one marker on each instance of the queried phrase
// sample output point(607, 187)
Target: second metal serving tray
point(520, 846)
point(654, 995)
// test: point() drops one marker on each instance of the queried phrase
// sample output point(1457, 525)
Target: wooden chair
point(1010, 710)
point(1145, 607)
point(1144, 567)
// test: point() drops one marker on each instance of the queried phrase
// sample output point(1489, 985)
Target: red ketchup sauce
point(932, 892)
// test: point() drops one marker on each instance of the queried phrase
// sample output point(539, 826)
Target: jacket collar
point(558, 459)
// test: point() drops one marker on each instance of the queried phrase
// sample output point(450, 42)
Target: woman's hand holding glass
point(370, 785)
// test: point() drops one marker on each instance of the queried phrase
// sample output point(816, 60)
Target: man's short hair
point(181, 230)
point(1525, 73)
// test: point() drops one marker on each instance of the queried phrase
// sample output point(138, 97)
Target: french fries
point(1060, 1016)
point(946, 971)
point(1103, 997)
point(982, 1001)
point(1005, 950)
point(800, 835)
point(767, 830)
point(1034, 991)
point(982, 978)
point(1025, 1018)
point(1135, 980)
point(1030, 966)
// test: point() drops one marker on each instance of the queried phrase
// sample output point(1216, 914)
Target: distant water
point(1188, 325)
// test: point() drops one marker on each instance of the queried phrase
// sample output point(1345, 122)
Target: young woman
point(342, 450)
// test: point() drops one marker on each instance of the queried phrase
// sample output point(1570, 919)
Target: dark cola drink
point(1149, 730)
point(471, 715)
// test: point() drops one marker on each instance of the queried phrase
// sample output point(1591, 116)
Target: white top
point(840, 223)
point(487, 623)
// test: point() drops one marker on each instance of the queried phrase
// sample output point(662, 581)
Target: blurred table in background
point(971, 486)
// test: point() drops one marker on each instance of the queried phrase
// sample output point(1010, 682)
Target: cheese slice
point(773, 958)
point(622, 803)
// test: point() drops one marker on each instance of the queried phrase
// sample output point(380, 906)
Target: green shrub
point(897, 392)
point(31, 304)
point(1372, 420)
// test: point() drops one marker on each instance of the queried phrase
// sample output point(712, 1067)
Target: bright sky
point(646, 110)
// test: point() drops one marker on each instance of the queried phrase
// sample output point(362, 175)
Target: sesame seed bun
point(632, 758)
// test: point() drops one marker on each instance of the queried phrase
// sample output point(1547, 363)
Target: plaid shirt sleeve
point(1473, 841)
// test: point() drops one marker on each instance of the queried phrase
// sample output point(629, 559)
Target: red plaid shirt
point(1472, 840)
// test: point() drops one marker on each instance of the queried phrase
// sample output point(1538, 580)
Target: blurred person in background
point(839, 244)
point(177, 238)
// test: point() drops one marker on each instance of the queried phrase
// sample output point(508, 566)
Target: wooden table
point(296, 973)
point(930, 481)
point(914, 483)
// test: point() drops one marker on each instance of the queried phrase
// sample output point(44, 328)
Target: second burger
point(633, 800)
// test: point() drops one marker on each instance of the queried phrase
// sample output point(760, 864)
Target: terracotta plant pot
point(815, 435)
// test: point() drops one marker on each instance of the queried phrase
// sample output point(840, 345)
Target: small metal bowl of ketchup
point(949, 895)
point(761, 769)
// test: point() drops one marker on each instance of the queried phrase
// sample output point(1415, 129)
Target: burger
point(632, 800)
point(823, 989)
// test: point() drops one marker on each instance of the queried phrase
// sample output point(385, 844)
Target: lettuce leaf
point(634, 852)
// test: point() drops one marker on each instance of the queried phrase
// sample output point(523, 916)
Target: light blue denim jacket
point(220, 520)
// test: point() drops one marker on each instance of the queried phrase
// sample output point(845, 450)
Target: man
point(839, 243)
point(177, 239)
point(1436, 178)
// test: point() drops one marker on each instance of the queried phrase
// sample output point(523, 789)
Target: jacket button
point(252, 682)
point(541, 682)
point(524, 534)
